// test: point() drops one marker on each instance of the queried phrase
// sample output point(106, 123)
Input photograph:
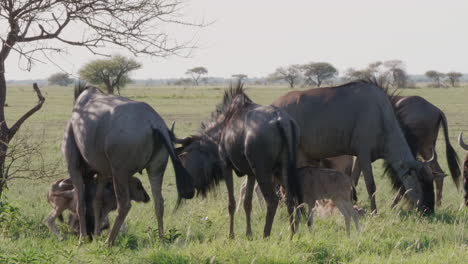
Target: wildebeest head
point(418, 176)
point(137, 192)
point(199, 155)
point(465, 167)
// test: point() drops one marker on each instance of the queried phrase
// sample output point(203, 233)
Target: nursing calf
point(321, 183)
point(61, 196)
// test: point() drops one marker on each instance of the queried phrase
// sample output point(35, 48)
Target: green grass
point(197, 232)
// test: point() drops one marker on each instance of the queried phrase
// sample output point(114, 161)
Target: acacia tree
point(60, 78)
point(113, 73)
point(35, 28)
point(290, 74)
point(436, 77)
point(240, 76)
point(196, 73)
point(454, 78)
point(317, 72)
point(390, 73)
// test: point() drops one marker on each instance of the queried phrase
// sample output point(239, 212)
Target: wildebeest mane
point(80, 87)
point(234, 98)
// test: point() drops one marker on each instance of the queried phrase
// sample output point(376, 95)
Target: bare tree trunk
point(4, 131)
point(6, 134)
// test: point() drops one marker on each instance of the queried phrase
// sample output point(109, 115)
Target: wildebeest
point(61, 196)
point(116, 137)
point(343, 164)
point(420, 121)
point(321, 183)
point(465, 166)
point(253, 140)
point(357, 119)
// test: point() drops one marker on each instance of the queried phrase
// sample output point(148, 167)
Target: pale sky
point(257, 36)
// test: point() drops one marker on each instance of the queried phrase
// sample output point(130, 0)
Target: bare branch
point(17, 125)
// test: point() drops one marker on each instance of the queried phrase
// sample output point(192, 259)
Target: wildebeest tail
point(184, 181)
point(452, 158)
point(292, 182)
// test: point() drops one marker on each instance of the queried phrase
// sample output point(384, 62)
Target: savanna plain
point(198, 231)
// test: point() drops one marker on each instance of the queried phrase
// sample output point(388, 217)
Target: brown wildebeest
point(116, 137)
point(420, 121)
point(465, 167)
point(358, 119)
point(61, 196)
point(321, 183)
point(253, 140)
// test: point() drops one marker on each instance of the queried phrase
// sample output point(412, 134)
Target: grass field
point(198, 231)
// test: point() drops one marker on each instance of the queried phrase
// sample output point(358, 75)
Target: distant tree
point(196, 73)
point(390, 73)
point(397, 73)
point(436, 77)
point(290, 74)
point(317, 72)
point(454, 78)
point(60, 78)
point(113, 73)
point(240, 76)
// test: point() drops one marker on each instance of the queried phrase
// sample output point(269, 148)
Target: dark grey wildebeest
point(358, 119)
point(253, 140)
point(465, 167)
point(116, 137)
point(420, 121)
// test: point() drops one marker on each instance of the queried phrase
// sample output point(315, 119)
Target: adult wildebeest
point(465, 167)
point(420, 121)
point(358, 119)
point(253, 140)
point(116, 137)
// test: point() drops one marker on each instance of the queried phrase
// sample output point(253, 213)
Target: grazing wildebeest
point(116, 137)
point(253, 140)
point(321, 183)
point(465, 166)
point(358, 119)
point(61, 196)
point(420, 121)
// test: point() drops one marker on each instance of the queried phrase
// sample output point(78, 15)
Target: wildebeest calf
point(61, 196)
point(321, 183)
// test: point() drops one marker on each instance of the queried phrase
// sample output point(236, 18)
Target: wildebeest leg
point(122, 195)
point(241, 194)
point(232, 201)
point(345, 210)
point(155, 175)
point(355, 174)
point(439, 183)
point(437, 172)
point(97, 205)
point(75, 170)
point(50, 221)
point(398, 197)
point(261, 200)
point(366, 167)
point(268, 190)
point(310, 217)
point(249, 188)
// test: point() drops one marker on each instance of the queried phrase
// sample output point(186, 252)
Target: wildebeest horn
point(178, 140)
point(461, 143)
point(172, 126)
point(431, 159)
